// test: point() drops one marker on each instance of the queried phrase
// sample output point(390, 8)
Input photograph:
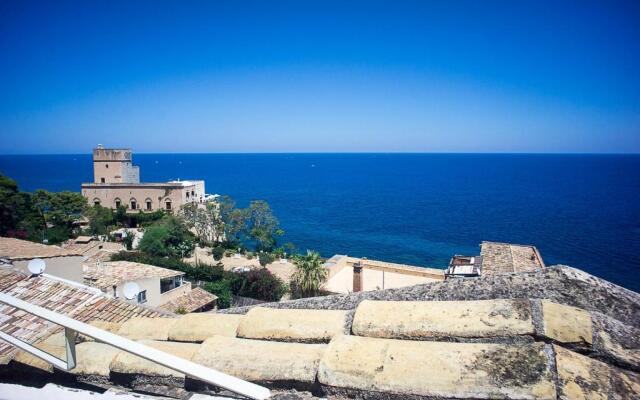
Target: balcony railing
point(72, 327)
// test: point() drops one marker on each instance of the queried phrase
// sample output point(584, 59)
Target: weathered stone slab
point(141, 328)
point(126, 363)
point(566, 324)
point(94, 358)
point(624, 385)
point(112, 327)
point(25, 358)
point(580, 377)
point(312, 326)
point(432, 319)
point(261, 361)
point(402, 368)
point(198, 327)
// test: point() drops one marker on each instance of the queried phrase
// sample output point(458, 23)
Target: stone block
point(443, 370)
point(140, 328)
point(261, 361)
point(291, 325)
point(567, 324)
point(198, 327)
point(127, 363)
point(433, 319)
point(580, 377)
point(94, 358)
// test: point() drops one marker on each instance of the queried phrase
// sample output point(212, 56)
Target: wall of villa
point(68, 267)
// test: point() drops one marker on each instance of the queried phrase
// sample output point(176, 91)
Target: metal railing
point(72, 327)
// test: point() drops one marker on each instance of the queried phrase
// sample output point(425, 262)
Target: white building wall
point(68, 267)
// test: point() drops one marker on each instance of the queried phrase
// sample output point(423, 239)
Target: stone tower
point(114, 166)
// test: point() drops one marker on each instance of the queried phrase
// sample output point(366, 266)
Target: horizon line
point(335, 152)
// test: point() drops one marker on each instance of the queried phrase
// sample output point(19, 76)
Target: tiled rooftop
point(191, 301)
point(513, 349)
point(17, 249)
point(82, 303)
point(107, 274)
point(499, 258)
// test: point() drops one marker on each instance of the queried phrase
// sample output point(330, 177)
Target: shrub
point(258, 284)
point(217, 252)
point(167, 238)
point(222, 289)
point(266, 259)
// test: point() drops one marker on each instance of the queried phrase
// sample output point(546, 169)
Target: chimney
point(357, 276)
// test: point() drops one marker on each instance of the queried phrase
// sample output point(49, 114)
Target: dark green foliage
point(127, 241)
point(258, 284)
point(38, 216)
point(167, 238)
point(310, 275)
point(266, 258)
point(222, 289)
point(101, 220)
point(203, 272)
point(262, 225)
point(217, 252)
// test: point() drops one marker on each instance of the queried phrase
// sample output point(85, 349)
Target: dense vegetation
point(221, 226)
point(39, 216)
point(258, 284)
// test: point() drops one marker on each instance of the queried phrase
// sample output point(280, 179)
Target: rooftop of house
point(105, 275)
point(339, 261)
point(549, 334)
point(194, 300)
point(498, 258)
point(83, 303)
point(17, 249)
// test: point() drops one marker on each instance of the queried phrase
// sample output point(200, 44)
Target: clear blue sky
point(270, 76)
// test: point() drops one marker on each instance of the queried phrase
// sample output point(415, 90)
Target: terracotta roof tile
point(190, 301)
point(78, 302)
point(16, 249)
point(107, 274)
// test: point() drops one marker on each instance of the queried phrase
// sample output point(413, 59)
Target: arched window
point(96, 201)
point(133, 203)
point(148, 204)
point(118, 202)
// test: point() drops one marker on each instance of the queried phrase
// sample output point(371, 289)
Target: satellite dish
point(37, 266)
point(131, 290)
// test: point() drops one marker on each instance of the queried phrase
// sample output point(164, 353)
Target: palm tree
point(310, 275)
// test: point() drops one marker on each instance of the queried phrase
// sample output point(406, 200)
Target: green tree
point(232, 222)
point(101, 219)
point(205, 221)
point(17, 216)
point(222, 289)
point(217, 252)
point(167, 238)
point(59, 210)
point(310, 275)
point(266, 258)
point(258, 284)
point(263, 226)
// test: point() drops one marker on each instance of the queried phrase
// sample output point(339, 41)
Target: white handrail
point(186, 367)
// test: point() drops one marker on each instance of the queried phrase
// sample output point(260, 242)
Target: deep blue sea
point(580, 210)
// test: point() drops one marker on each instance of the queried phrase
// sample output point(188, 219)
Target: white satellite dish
point(37, 266)
point(131, 290)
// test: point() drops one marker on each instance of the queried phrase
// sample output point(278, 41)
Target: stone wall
point(562, 284)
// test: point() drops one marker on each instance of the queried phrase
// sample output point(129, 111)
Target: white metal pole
point(186, 367)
